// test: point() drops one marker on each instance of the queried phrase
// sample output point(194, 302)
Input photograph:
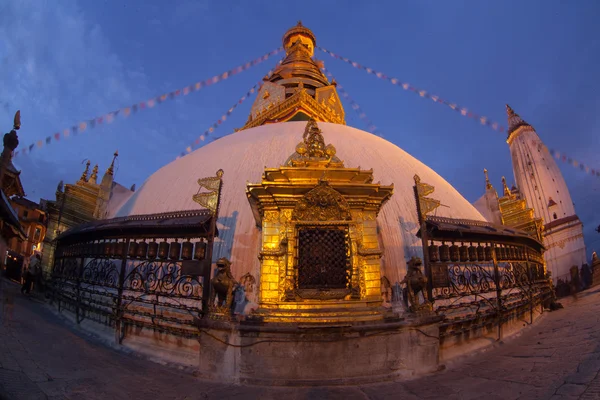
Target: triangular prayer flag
point(48, 140)
point(57, 136)
point(82, 126)
point(31, 147)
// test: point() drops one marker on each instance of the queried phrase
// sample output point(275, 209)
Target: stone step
point(320, 304)
point(329, 320)
point(323, 312)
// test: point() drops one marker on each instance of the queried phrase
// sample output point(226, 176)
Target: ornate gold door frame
point(297, 288)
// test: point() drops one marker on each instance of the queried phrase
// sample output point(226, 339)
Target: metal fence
point(119, 273)
point(482, 279)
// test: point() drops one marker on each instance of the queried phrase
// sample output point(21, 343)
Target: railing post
point(426, 261)
point(498, 291)
point(119, 303)
point(531, 278)
point(77, 289)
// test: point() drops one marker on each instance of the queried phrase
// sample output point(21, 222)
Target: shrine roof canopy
point(442, 228)
point(180, 224)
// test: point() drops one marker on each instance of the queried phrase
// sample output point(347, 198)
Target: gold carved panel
point(322, 204)
point(270, 95)
point(327, 96)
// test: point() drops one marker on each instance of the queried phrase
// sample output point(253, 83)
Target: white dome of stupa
point(243, 157)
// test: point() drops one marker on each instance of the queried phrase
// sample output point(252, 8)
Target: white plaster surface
point(243, 157)
point(538, 179)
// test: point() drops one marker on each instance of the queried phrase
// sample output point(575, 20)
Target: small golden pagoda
point(297, 90)
point(516, 214)
point(320, 256)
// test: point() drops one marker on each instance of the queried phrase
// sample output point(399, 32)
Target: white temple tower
point(541, 183)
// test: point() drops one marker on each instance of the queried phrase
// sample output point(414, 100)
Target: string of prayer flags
point(483, 120)
point(142, 105)
point(225, 116)
point(361, 114)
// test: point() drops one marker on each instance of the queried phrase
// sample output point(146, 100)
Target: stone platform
point(288, 354)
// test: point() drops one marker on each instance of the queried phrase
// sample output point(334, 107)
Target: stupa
point(309, 233)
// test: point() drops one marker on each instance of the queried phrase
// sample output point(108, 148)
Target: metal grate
point(323, 258)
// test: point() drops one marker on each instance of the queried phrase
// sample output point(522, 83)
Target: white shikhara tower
point(540, 182)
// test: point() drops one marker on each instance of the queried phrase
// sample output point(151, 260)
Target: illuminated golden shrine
point(319, 234)
point(297, 90)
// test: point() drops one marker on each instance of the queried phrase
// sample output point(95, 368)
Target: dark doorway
point(14, 265)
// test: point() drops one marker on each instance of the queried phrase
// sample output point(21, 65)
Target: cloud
point(58, 68)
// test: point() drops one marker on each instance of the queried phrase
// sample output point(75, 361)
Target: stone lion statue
point(223, 285)
point(416, 283)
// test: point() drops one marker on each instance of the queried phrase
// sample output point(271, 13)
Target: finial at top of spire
point(506, 189)
point(514, 120)
point(112, 164)
point(17, 121)
point(293, 35)
point(94, 176)
point(488, 185)
point(84, 176)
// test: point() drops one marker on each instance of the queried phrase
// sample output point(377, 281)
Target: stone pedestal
point(286, 354)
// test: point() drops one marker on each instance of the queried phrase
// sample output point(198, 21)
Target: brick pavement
point(43, 356)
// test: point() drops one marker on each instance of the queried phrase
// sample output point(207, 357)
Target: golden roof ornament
point(507, 191)
point(94, 175)
point(209, 199)
point(112, 164)
point(84, 176)
point(312, 148)
point(425, 205)
point(295, 33)
point(17, 121)
point(488, 185)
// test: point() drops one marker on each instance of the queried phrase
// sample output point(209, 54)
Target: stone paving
point(43, 356)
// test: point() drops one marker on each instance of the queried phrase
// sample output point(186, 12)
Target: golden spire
point(94, 175)
point(302, 34)
point(488, 185)
point(84, 176)
point(110, 169)
point(506, 189)
point(297, 90)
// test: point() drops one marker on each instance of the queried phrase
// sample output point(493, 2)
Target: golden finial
point(17, 121)
point(94, 175)
point(84, 176)
point(112, 164)
point(505, 186)
point(488, 185)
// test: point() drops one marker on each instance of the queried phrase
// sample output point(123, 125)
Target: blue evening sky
point(65, 61)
